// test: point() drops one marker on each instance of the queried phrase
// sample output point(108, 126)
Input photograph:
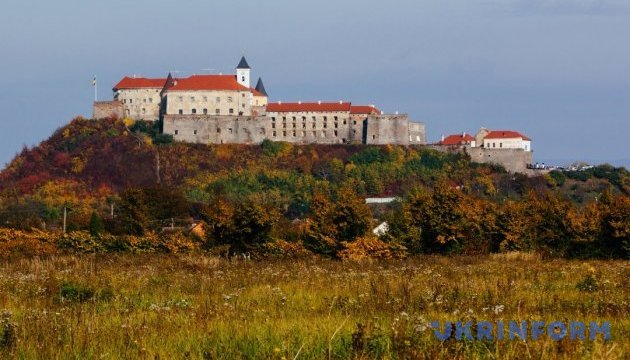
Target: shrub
point(70, 291)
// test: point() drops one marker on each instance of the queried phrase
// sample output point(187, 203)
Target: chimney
point(279, 102)
point(442, 137)
point(300, 102)
point(319, 102)
point(340, 102)
point(464, 134)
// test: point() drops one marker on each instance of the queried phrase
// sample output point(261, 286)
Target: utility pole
point(65, 216)
point(157, 168)
point(111, 210)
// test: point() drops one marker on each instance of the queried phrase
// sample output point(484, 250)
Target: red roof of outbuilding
point(363, 109)
point(457, 139)
point(505, 134)
point(139, 82)
point(309, 106)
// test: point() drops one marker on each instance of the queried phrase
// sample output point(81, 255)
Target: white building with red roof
point(506, 139)
point(458, 140)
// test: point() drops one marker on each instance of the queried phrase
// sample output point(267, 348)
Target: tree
point(336, 221)
point(96, 225)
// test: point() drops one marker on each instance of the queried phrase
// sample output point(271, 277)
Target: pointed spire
point(260, 87)
point(243, 64)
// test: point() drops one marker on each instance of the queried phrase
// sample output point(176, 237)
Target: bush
point(70, 291)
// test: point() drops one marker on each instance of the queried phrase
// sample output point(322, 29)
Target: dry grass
point(193, 306)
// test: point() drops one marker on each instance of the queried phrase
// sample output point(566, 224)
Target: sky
point(555, 70)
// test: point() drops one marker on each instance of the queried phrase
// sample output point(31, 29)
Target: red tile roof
point(309, 106)
point(505, 134)
point(207, 82)
point(457, 139)
point(362, 109)
point(139, 82)
point(257, 93)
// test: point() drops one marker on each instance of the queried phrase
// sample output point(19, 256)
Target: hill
point(129, 177)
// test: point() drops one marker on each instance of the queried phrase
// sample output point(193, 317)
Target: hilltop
point(129, 176)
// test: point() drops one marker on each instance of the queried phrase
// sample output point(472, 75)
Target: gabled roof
point(243, 64)
point(505, 134)
point(207, 82)
point(139, 82)
point(365, 109)
point(260, 87)
point(457, 139)
point(309, 106)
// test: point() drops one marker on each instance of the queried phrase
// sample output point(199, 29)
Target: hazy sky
point(557, 70)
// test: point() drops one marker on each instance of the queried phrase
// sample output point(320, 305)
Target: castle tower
point(243, 72)
point(260, 87)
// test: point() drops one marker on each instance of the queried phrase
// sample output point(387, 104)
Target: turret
point(243, 73)
point(260, 87)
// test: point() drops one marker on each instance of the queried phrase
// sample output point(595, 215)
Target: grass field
point(191, 306)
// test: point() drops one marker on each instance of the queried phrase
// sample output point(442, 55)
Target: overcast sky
point(556, 70)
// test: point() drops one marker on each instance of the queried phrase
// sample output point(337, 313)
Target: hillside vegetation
point(122, 183)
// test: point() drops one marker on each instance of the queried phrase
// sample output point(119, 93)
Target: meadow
point(180, 306)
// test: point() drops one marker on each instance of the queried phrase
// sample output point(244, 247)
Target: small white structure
point(384, 200)
point(506, 139)
point(381, 230)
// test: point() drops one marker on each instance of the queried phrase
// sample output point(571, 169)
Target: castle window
point(336, 125)
point(218, 99)
point(144, 100)
point(194, 132)
point(194, 111)
point(273, 119)
point(274, 134)
point(181, 112)
point(325, 118)
point(205, 111)
point(284, 118)
point(127, 111)
point(314, 118)
point(217, 111)
point(130, 101)
point(242, 78)
point(500, 145)
point(218, 130)
point(192, 98)
point(314, 125)
point(354, 122)
point(180, 98)
point(354, 132)
point(284, 133)
point(243, 94)
point(231, 111)
point(293, 133)
point(294, 118)
point(303, 125)
point(151, 100)
point(335, 133)
point(284, 125)
point(336, 118)
point(243, 105)
point(294, 125)
point(325, 125)
point(176, 132)
point(303, 118)
point(205, 98)
point(273, 125)
point(344, 121)
point(229, 99)
point(373, 137)
point(230, 130)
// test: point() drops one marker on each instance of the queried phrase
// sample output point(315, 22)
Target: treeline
point(110, 179)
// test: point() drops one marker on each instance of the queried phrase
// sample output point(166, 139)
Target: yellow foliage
point(370, 247)
point(78, 165)
point(129, 122)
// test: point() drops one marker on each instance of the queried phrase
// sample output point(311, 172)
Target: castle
point(218, 109)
